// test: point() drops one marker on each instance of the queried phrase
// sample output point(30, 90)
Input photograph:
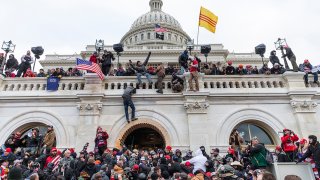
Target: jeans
point(145, 74)
point(315, 77)
point(126, 104)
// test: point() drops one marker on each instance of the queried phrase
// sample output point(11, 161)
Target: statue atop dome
point(155, 5)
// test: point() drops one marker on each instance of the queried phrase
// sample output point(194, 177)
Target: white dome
point(142, 30)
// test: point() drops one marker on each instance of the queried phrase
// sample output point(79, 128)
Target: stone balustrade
point(212, 84)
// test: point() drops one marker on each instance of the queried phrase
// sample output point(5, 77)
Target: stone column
point(90, 107)
point(196, 106)
point(304, 109)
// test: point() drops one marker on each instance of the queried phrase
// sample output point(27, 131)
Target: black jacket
point(106, 59)
point(142, 69)
point(289, 53)
point(12, 63)
point(230, 70)
point(274, 59)
point(314, 151)
point(174, 168)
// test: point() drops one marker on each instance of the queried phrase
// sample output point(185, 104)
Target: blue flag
point(52, 84)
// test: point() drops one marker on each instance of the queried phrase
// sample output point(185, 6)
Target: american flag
point(56, 162)
point(158, 28)
point(89, 66)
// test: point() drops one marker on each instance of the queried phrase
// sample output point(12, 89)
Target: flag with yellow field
point(208, 20)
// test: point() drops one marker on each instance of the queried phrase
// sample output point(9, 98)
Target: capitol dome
point(142, 30)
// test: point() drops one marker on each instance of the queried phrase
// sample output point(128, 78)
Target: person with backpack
point(183, 61)
point(288, 144)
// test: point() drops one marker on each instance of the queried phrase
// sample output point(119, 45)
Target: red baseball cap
point(303, 141)
point(169, 148)
point(278, 148)
point(167, 157)
point(8, 150)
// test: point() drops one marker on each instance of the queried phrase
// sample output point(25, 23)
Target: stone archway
point(27, 120)
point(141, 123)
point(270, 123)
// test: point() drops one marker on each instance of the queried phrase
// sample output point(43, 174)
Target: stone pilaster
point(304, 109)
point(196, 106)
point(294, 80)
point(90, 108)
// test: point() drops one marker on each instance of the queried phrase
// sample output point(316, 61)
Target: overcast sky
point(67, 26)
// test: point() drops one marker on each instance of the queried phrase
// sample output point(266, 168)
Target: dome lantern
point(155, 5)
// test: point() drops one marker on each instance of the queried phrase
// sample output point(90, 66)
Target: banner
point(52, 83)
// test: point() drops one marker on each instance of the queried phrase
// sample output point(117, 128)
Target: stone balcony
point(214, 85)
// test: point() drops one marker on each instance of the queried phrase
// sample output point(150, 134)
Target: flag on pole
point(208, 20)
point(158, 28)
point(89, 66)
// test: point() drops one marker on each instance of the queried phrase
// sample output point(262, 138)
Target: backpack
point(269, 157)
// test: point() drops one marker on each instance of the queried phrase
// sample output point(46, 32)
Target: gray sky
point(67, 26)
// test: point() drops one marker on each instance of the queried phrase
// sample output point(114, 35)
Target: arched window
point(130, 40)
point(176, 38)
point(181, 39)
point(142, 36)
point(250, 130)
point(149, 36)
point(136, 38)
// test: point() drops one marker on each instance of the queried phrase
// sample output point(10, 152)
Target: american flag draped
point(89, 66)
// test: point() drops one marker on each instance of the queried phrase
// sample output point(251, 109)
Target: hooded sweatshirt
point(198, 161)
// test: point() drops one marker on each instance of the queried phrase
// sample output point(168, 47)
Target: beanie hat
point(306, 61)
point(136, 167)
point(8, 150)
point(229, 62)
point(313, 137)
point(15, 174)
point(187, 164)
point(175, 158)
point(240, 66)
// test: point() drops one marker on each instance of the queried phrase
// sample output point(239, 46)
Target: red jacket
point(288, 142)
point(93, 58)
point(102, 140)
point(194, 63)
point(48, 160)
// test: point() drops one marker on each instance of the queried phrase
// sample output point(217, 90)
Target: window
point(136, 38)
point(249, 130)
point(176, 37)
point(149, 36)
point(169, 37)
point(142, 36)
point(181, 39)
point(130, 40)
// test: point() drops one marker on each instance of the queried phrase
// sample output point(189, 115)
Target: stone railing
point(40, 84)
point(212, 84)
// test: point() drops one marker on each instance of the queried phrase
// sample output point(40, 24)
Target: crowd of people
point(185, 60)
point(34, 156)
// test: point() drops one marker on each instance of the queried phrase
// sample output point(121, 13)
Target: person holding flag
point(89, 66)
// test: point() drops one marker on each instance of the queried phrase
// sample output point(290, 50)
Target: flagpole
point(198, 35)
point(198, 27)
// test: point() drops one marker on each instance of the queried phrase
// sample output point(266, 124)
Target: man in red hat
point(307, 68)
point(53, 154)
point(230, 70)
point(288, 144)
point(8, 155)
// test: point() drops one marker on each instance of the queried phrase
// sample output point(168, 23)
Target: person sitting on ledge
point(240, 70)
point(277, 69)
point(230, 70)
point(265, 70)
point(141, 70)
point(306, 67)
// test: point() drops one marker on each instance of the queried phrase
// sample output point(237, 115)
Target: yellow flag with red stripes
point(208, 20)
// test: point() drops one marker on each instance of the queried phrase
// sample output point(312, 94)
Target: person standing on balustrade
point(161, 74)
point(26, 61)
